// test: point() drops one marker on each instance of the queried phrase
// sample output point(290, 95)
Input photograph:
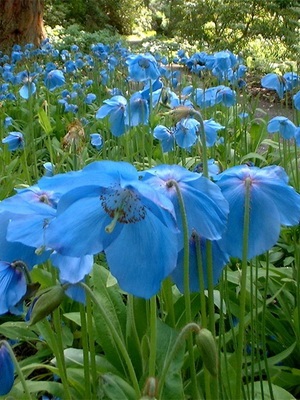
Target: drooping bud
point(150, 389)
point(45, 303)
point(7, 369)
point(208, 350)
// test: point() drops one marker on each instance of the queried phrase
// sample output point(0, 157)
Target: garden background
point(150, 207)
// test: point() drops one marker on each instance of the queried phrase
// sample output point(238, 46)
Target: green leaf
point(261, 391)
point(250, 156)
point(166, 338)
point(111, 301)
point(17, 331)
point(44, 121)
point(113, 387)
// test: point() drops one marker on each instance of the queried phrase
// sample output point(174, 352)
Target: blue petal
point(142, 256)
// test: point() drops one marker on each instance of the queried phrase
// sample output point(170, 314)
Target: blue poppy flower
point(54, 79)
point(276, 82)
point(115, 108)
point(297, 136)
point(208, 97)
point(212, 166)
point(15, 141)
point(125, 218)
point(7, 370)
point(219, 260)
point(8, 121)
point(142, 67)
point(27, 90)
point(205, 206)
point(296, 100)
point(13, 286)
point(72, 269)
point(186, 132)
point(49, 169)
point(226, 96)
point(211, 128)
point(90, 98)
point(282, 125)
point(273, 203)
point(96, 140)
point(166, 137)
point(137, 110)
point(11, 251)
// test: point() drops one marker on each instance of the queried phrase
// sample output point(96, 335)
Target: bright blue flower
point(137, 110)
point(211, 128)
point(282, 125)
point(11, 251)
point(296, 100)
point(90, 98)
point(219, 260)
point(212, 166)
point(208, 97)
point(28, 89)
point(115, 108)
point(13, 286)
point(7, 370)
point(276, 82)
point(297, 136)
point(186, 132)
point(49, 169)
point(70, 66)
point(54, 79)
point(96, 140)
point(273, 203)
point(292, 79)
point(15, 141)
point(166, 137)
point(142, 67)
point(8, 121)
point(205, 206)
point(72, 269)
point(122, 216)
point(226, 96)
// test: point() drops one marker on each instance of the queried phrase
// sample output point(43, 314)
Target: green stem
point(186, 331)
point(119, 342)
point(56, 348)
point(243, 293)
point(90, 329)
point(18, 369)
point(85, 348)
point(153, 337)
point(168, 300)
point(186, 283)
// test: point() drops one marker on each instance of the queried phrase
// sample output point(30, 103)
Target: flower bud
point(7, 369)
point(208, 349)
point(45, 303)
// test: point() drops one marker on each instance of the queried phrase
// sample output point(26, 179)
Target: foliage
point(239, 334)
point(233, 23)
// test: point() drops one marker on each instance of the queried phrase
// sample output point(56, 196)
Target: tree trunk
point(21, 22)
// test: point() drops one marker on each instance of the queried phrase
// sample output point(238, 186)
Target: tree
point(21, 22)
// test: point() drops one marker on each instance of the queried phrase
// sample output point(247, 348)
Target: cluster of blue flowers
point(135, 219)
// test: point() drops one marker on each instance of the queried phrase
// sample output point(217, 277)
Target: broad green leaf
point(17, 331)
point(250, 156)
point(115, 388)
point(111, 301)
point(44, 121)
point(166, 338)
point(261, 391)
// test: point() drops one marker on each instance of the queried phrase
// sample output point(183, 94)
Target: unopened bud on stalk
point(45, 303)
point(150, 389)
point(208, 349)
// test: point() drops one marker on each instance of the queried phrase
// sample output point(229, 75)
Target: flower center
point(123, 205)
